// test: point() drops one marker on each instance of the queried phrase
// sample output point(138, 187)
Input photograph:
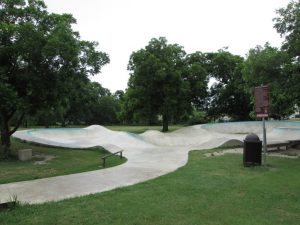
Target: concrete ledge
point(25, 154)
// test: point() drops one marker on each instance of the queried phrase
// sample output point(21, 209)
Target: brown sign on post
point(262, 101)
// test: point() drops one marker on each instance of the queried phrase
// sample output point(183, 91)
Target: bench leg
point(103, 163)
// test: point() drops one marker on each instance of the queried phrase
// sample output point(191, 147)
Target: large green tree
point(40, 56)
point(279, 68)
point(227, 95)
point(268, 66)
point(102, 107)
point(155, 85)
point(197, 77)
point(287, 25)
point(88, 104)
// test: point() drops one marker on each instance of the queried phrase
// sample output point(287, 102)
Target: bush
point(198, 117)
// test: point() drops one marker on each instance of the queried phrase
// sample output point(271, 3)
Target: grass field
point(210, 191)
point(66, 161)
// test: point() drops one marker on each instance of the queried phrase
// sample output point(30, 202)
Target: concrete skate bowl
point(191, 137)
point(91, 136)
point(276, 130)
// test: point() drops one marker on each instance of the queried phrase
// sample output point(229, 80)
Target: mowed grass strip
point(66, 161)
point(210, 191)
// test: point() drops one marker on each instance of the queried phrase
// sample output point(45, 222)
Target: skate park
point(149, 113)
point(150, 154)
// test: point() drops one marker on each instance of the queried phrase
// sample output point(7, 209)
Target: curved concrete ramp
point(149, 155)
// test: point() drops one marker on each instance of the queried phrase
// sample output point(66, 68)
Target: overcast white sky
point(124, 26)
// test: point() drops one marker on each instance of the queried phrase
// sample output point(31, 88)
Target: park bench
point(277, 145)
point(294, 142)
point(107, 156)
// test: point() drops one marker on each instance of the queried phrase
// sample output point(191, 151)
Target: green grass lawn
point(66, 161)
point(210, 191)
point(141, 129)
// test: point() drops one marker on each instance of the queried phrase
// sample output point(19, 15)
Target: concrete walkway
point(149, 155)
point(140, 168)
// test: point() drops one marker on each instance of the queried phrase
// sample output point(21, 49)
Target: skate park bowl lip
point(245, 127)
point(32, 132)
point(276, 125)
point(287, 129)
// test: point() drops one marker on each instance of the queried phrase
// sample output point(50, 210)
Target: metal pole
point(264, 142)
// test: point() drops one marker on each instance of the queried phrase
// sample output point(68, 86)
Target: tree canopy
point(40, 57)
point(228, 96)
point(155, 85)
point(267, 65)
point(287, 25)
point(196, 76)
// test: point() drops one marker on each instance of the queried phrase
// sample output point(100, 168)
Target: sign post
point(262, 111)
point(264, 141)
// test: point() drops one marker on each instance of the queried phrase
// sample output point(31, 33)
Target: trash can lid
point(252, 137)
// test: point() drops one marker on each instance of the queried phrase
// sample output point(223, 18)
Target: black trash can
point(252, 150)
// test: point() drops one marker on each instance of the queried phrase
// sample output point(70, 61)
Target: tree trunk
point(63, 124)
point(165, 123)
point(1, 132)
point(5, 136)
point(6, 132)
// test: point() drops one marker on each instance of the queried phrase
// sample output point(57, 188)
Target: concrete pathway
point(149, 155)
point(137, 169)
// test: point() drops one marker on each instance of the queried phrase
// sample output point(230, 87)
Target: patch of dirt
point(290, 153)
point(42, 158)
point(223, 152)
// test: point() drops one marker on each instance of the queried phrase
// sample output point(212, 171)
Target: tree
point(268, 65)
point(196, 75)
point(227, 95)
point(287, 25)
point(88, 103)
point(40, 56)
point(155, 85)
point(119, 94)
point(102, 107)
